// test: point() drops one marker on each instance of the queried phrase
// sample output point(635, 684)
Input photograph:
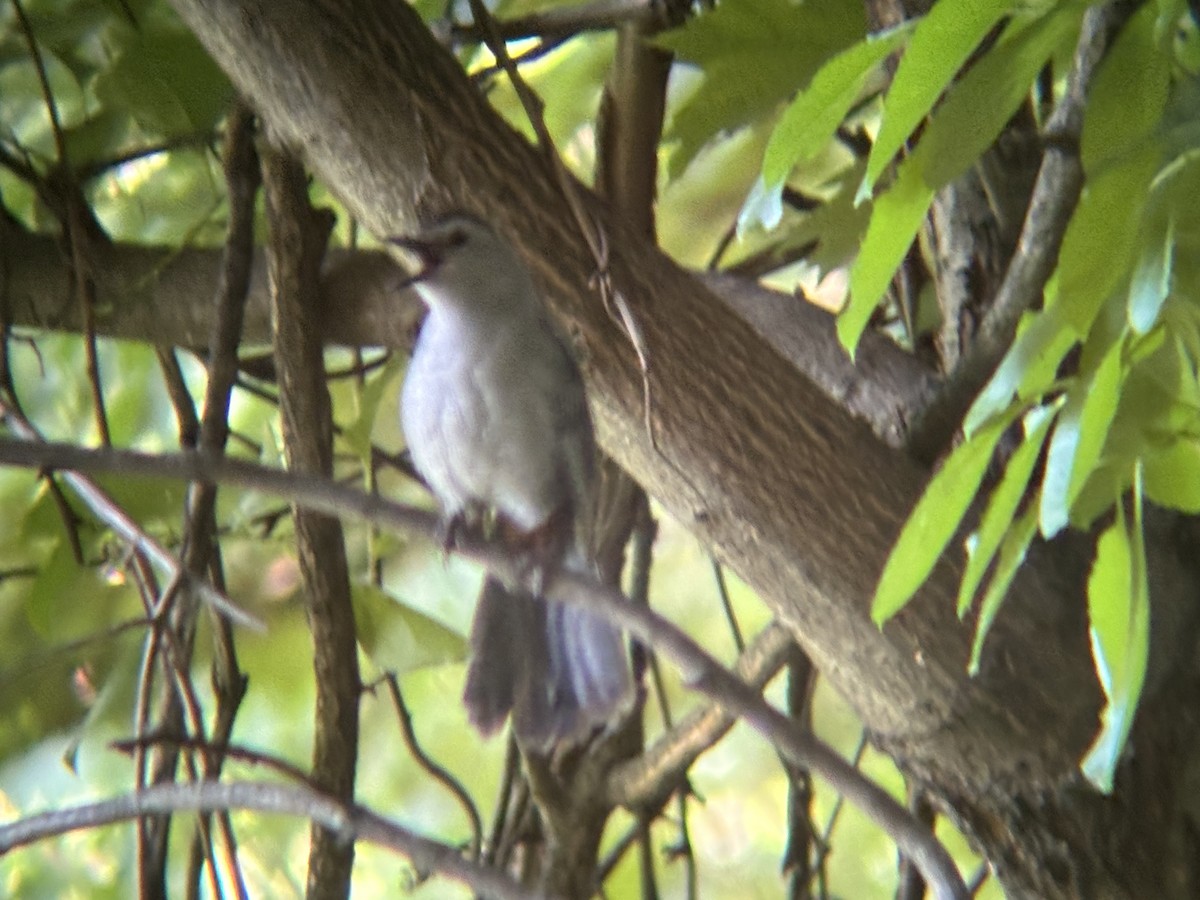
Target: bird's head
point(463, 262)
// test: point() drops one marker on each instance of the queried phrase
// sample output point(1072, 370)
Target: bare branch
point(652, 776)
point(348, 821)
point(298, 234)
point(437, 772)
point(700, 671)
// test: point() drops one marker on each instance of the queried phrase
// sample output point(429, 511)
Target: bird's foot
point(449, 530)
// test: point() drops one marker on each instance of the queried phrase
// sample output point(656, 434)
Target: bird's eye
point(456, 238)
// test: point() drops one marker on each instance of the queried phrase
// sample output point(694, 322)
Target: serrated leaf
point(747, 69)
point(1002, 506)
point(935, 519)
point(942, 42)
point(401, 639)
point(1012, 554)
point(1078, 439)
point(1172, 476)
point(1119, 618)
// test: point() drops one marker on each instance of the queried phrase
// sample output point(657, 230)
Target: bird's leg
point(454, 525)
point(538, 554)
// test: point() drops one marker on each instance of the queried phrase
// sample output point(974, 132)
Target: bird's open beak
point(429, 255)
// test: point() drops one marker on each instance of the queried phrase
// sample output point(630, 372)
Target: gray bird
point(495, 416)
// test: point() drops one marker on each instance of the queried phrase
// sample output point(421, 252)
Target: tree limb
point(349, 821)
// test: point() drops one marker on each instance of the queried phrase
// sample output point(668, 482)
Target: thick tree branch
point(163, 295)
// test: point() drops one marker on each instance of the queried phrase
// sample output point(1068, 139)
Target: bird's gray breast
point(481, 412)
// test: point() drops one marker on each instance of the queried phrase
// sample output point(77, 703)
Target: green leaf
point(1029, 367)
point(1172, 476)
point(1101, 239)
point(748, 70)
point(942, 42)
point(1119, 616)
point(1078, 439)
point(397, 637)
point(813, 117)
point(357, 435)
point(1003, 503)
point(1012, 554)
point(167, 82)
point(1125, 103)
point(894, 221)
point(975, 112)
point(935, 519)
point(1151, 282)
point(984, 100)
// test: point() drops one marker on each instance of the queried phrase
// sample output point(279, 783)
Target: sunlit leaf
point(983, 101)
point(1172, 476)
point(894, 220)
point(1027, 368)
point(1102, 238)
point(1008, 561)
point(812, 118)
point(1119, 618)
point(747, 69)
point(1151, 282)
point(943, 41)
point(1003, 503)
point(974, 113)
point(935, 519)
point(1126, 99)
point(1078, 439)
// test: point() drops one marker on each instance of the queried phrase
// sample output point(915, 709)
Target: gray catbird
point(495, 417)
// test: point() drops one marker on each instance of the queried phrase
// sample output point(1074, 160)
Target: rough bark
point(298, 235)
point(795, 493)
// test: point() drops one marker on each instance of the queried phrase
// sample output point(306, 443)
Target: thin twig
point(564, 22)
point(1051, 206)
point(107, 510)
point(727, 605)
point(700, 671)
point(73, 225)
point(437, 772)
point(351, 821)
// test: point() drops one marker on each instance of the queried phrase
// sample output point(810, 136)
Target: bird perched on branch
point(494, 412)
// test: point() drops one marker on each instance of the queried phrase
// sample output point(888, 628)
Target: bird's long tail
point(561, 670)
